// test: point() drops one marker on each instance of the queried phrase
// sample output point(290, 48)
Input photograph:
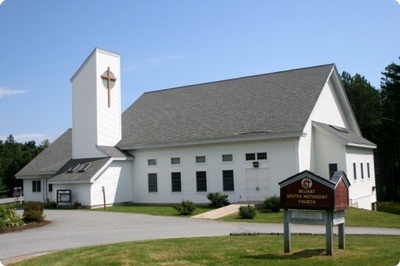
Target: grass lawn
point(231, 250)
point(353, 216)
point(161, 210)
point(238, 250)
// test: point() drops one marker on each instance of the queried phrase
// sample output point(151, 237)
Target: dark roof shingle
point(277, 102)
point(51, 159)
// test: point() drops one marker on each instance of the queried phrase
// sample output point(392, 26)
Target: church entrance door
point(257, 184)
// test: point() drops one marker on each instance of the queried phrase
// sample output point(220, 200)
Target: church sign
point(311, 199)
point(311, 192)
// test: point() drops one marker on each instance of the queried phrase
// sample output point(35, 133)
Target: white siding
point(28, 194)
point(79, 192)
point(94, 123)
point(117, 183)
point(361, 190)
point(108, 118)
point(281, 163)
point(327, 110)
point(328, 107)
point(43, 195)
point(84, 124)
point(305, 148)
point(326, 151)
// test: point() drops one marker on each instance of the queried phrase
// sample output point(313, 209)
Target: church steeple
point(96, 104)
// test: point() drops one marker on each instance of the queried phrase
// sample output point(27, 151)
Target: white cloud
point(10, 92)
point(1, 1)
point(161, 59)
point(129, 67)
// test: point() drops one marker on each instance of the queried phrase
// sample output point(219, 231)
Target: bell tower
point(96, 104)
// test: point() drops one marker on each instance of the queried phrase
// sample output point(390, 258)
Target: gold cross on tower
point(109, 77)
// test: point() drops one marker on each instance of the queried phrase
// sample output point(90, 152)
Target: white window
point(36, 186)
point(227, 157)
point(250, 156)
point(362, 170)
point(354, 171)
point(176, 160)
point(151, 162)
point(200, 159)
point(152, 182)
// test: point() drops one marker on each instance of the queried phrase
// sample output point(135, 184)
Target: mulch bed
point(13, 229)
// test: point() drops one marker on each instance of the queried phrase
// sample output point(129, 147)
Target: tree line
point(13, 157)
point(377, 111)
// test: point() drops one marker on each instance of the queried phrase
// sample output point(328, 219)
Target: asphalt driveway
point(79, 228)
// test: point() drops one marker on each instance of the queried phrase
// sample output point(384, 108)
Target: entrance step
point(220, 212)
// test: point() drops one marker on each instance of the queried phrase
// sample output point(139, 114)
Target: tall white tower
point(96, 104)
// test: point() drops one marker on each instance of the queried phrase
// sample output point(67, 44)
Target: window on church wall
point(227, 180)
point(176, 185)
point(152, 182)
point(250, 156)
point(36, 186)
point(368, 171)
point(362, 170)
point(200, 159)
point(50, 187)
point(354, 171)
point(152, 162)
point(227, 158)
point(175, 160)
point(261, 156)
point(201, 181)
point(256, 156)
point(332, 169)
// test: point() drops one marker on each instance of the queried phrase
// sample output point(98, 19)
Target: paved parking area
point(78, 228)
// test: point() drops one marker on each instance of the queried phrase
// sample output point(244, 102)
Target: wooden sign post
point(311, 199)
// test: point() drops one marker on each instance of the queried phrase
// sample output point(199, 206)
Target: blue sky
point(171, 43)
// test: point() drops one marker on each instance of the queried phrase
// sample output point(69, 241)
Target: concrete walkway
point(220, 212)
point(80, 228)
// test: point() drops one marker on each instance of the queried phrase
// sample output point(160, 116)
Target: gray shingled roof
point(76, 176)
point(50, 160)
point(277, 102)
point(344, 134)
point(114, 152)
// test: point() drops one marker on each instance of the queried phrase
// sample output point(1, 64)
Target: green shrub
point(389, 207)
point(9, 217)
point(187, 207)
point(33, 212)
point(50, 205)
point(77, 205)
point(272, 204)
point(247, 212)
point(217, 199)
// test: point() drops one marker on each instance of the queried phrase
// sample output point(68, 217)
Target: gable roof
point(273, 103)
point(344, 135)
point(56, 159)
point(51, 159)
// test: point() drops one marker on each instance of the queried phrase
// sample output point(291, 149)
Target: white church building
point(240, 137)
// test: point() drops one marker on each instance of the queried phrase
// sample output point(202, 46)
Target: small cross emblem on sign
point(109, 77)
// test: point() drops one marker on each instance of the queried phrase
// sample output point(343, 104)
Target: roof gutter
point(236, 138)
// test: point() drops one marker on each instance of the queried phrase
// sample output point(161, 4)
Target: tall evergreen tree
point(366, 104)
point(13, 157)
point(390, 146)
